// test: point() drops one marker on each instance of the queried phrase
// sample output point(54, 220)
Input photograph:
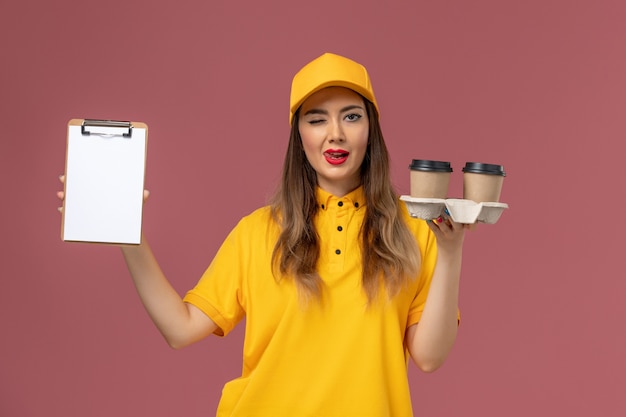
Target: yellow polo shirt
point(335, 359)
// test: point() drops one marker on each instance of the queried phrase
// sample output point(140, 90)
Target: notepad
point(104, 181)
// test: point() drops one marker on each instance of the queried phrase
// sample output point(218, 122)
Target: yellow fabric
point(338, 358)
point(329, 70)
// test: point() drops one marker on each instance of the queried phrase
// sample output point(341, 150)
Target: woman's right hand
point(61, 194)
point(180, 323)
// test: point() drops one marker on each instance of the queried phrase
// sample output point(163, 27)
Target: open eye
point(353, 117)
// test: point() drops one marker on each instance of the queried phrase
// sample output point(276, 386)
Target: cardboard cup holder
point(461, 210)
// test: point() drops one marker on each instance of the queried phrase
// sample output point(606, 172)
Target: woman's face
point(334, 128)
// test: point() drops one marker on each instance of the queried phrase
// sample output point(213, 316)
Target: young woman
point(338, 284)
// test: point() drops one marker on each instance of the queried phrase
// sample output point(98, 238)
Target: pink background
point(538, 86)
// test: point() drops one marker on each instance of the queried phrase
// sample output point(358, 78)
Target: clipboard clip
point(106, 128)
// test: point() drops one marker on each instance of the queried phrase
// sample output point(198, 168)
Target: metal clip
point(107, 128)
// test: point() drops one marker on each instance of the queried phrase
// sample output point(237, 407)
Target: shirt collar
point(355, 198)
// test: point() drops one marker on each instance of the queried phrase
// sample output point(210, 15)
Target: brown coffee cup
point(429, 179)
point(482, 182)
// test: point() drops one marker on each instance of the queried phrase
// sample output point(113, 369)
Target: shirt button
point(339, 228)
point(356, 204)
point(340, 203)
point(338, 252)
point(322, 206)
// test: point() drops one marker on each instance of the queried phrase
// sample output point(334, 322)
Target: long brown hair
point(388, 249)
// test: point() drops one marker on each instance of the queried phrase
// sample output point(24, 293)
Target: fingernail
point(446, 211)
point(439, 219)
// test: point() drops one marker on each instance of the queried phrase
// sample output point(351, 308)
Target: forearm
point(164, 305)
point(433, 337)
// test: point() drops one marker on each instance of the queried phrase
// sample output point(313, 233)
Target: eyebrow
point(344, 109)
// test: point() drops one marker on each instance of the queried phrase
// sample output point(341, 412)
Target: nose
point(335, 131)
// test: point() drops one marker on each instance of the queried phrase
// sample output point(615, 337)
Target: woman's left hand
point(449, 234)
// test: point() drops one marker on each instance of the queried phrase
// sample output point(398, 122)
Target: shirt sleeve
point(427, 244)
point(428, 252)
point(218, 293)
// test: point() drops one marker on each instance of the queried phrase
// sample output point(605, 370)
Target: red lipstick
point(336, 156)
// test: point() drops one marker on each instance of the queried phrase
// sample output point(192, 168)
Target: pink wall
point(537, 86)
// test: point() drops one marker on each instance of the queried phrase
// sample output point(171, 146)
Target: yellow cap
point(329, 70)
